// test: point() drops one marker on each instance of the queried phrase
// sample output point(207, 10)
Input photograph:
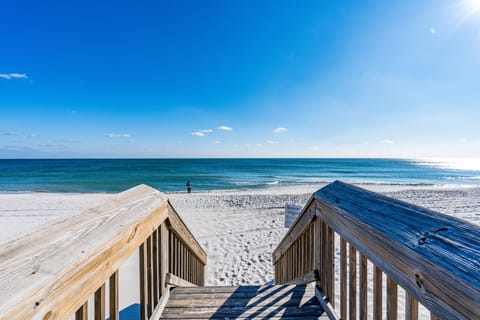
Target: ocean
point(114, 175)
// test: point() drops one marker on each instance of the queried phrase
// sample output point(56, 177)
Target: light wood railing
point(51, 273)
point(345, 233)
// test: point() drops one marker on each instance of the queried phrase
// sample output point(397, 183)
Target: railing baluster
point(143, 282)
point(149, 277)
point(377, 293)
point(317, 245)
point(392, 299)
point(324, 259)
point(165, 255)
point(99, 302)
point(331, 266)
point(310, 248)
point(343, 278)
point(82, 312)
point(363, 288)
point(155, 266)
point(113, 296)
point(185, 264)
point(353, 283)
point(177, 255)
point(411, 307)
point(170, 253)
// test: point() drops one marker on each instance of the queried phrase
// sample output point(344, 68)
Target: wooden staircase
point(244, 302)
point(53, 273)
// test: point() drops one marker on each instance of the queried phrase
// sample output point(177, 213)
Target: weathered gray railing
point(51, 273)
point(435, 258)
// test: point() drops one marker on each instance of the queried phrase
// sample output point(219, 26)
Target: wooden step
point(243, 302)
point(258, 289)
point(222, 292)
point(241, 312)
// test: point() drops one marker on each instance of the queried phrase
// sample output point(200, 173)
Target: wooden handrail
point(50, 273)
point(434, 257)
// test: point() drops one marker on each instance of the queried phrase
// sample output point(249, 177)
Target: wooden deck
point(244, 302)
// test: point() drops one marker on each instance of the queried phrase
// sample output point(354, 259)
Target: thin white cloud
point(225, 128)
point(216, 142)
point(117, 135)
point(13, 76)
point(11, 133)
point(205, 130)
point(281, 130)
point(54, 145)
point(198, 134)
point(259, 145)
point(433, 30)
point(386, 141)
point(271, 142)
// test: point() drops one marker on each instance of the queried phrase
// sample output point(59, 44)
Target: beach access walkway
point(351, 254)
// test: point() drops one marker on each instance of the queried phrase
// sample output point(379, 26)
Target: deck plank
point(244, 302)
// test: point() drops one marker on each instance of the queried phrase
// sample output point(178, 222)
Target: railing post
point(164, 255)
point(143, 282)
point(317, 245)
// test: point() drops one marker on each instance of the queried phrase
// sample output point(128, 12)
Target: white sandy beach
point(238, 229)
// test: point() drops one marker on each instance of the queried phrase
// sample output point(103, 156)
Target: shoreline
point(375, 187)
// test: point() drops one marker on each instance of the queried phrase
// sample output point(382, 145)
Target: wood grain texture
point(73, 257)
point(433, 256)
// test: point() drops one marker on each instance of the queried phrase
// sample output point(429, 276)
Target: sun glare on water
point(469, 164)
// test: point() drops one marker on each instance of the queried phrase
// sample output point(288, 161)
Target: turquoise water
point(114, 175)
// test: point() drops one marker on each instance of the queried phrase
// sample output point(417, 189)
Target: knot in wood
point(422, 240)
point(47, 315)
point(419, 281)
point(132, 234)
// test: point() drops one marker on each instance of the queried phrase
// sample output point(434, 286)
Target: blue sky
point(240, 78)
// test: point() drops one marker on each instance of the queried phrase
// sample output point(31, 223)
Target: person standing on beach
point(189, 186)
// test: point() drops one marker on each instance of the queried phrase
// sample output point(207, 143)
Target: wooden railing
point(51, 273)
point(345, 233)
